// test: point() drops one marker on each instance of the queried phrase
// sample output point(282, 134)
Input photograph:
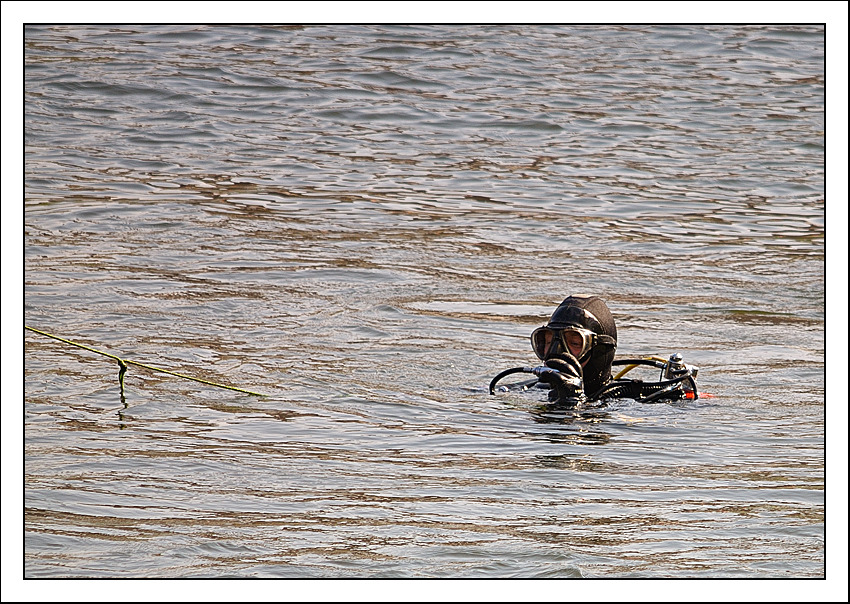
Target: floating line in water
point(122, 363)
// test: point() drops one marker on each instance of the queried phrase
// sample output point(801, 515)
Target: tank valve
point(676, 368)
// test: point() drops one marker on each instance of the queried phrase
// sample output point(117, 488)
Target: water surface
point(365, 224)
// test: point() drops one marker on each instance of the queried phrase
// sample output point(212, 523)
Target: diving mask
point(546, 341)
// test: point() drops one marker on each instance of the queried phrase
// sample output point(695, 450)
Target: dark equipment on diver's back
point(678, 381)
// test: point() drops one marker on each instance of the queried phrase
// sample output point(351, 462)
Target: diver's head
point(584, 327)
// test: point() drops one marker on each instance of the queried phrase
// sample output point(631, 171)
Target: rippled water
point(365, 224)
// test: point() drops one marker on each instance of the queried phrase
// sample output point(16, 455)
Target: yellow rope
point(628, 368)
point(124, 362)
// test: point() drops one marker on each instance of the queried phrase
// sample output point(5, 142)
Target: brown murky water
point(365, 224)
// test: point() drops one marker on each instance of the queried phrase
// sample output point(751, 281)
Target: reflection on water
point(366, 223)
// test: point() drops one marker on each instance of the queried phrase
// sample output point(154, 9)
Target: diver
point(577, 347)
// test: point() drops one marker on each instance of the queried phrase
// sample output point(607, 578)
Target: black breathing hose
point(538, 371)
